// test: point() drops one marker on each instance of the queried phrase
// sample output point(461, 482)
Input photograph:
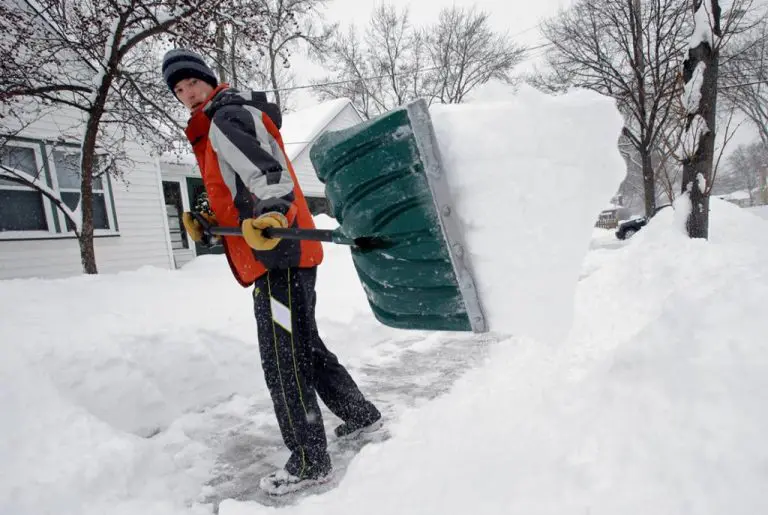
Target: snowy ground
point(635, 381)
point(140, 393)
point(761, 211)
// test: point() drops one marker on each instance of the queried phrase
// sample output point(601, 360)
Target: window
point(22, 208)
point(27, 213)
point(67, 165)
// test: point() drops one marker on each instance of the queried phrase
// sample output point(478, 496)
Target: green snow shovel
point(386, 187)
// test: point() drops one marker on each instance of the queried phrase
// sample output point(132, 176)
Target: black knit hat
point(180, 64)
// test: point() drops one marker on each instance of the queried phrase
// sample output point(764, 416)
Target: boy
point(250, 183)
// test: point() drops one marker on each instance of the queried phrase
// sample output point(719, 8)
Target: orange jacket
point(243, 164)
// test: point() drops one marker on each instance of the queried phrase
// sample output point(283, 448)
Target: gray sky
point(519, 18)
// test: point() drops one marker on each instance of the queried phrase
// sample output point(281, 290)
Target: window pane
point(68, 170)
point(20, 158)
point(70, 199)
point(100, 219)
point(22, 211)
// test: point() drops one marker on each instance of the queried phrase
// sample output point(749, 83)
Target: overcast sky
point(519, 18)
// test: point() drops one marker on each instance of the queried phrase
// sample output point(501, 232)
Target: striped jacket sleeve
point(247, 151)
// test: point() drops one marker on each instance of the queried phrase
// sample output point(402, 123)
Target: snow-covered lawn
point(132, 393)
point(761, 211)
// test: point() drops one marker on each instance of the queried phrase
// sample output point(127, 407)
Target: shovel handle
point(289, 233)
point(296, 233)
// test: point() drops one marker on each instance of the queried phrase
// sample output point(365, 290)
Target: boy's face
point(192, 92)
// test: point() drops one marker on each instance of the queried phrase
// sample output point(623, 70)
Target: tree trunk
point(649, 181)
point(273, 77)
point(221, 53)
point(87, 161)
point(649, 177)
point(697, 169)
point(87, 252)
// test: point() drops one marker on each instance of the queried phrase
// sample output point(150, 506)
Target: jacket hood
point(257, 99)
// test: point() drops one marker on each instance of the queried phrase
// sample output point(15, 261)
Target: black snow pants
point(297, 365)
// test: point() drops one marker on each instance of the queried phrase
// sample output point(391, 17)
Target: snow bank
point(98, 375)
point(761, 211)
point(655, 405)
point(92, 368)
point(530, 177)
point(122, 365)
point(57, 458)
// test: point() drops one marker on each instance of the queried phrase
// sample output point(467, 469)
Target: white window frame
point(48, 207)
point(184, 207)
point(106, 191)
point(54, 217)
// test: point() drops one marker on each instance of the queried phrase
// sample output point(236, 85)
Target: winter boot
point(353, 429)
point(282, 482)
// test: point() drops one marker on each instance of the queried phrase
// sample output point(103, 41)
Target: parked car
point(627, 228)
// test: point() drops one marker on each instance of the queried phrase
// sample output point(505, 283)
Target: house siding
point(142, 236)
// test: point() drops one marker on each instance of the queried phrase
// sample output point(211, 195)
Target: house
point(612, 214)
point(301, 129)
point(183, 186)
point(35, 240)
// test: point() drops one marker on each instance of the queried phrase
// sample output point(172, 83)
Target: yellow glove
point(193, 227)
point(252, 228)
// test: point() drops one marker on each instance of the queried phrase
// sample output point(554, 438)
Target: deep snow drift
point(656, 403)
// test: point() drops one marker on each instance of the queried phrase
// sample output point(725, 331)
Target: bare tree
point(233, 42)
point(465, 53)
point(747, 170)
point(667, 166)
point(244, 56)
point(379, 71)
point(626, 49)
point(395, 62)
point(98, 58)
point(288, 23)
point(744, 76)
point(347, 61)
point(712, 31)
point(669, 154)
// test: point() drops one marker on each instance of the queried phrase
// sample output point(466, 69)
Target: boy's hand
point(194, 228)
point(252, 230)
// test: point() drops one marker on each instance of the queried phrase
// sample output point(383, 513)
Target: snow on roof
point(300, 128)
